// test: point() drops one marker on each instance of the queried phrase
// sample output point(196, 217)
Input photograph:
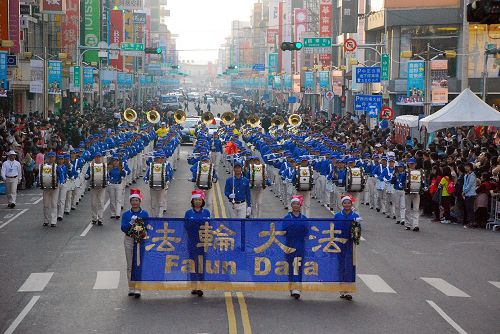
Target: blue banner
point(324, 79)
point(124, 80)
point(287, 81)
point(368, 74)
point(54, 74)
point(88, 79)
point(4, 83)
point(272, 66)
point(250, 254)
point(308, 80)
point(415, 81)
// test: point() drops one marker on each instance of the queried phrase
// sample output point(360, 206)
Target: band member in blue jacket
point(237, 190)
point(399, 183)
point(297, 231)
point(128, 219)
point(194, 219)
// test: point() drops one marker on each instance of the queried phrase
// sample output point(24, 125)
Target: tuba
point(253, 120)
point(278, 122)
point(130, 115)
point(295, 120)
point(153, 116)
point(207, 118)
point(180, 117)
point(228, 118)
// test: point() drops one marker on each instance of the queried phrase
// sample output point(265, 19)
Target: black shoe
point(94, 222)
point(77, 203)
point(407, 228)
point(112, 217)
point(137, 295)
point(45, 224)
point(393, 217)
point(387, 216)
point(66, 213)
point(117, 217)
point(59, 219)
point(52, 225)
point(416, 229)
point(397, 222)
point(346, 297)
point(402, 222)
point(74, 208)
point(296, 295)
point(131, 293)
point(99, 223)
point(378, 210)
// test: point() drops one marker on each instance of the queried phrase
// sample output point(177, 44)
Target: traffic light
point(342, 101)
point(291, 46)
point(75, 100)
point(153, 51)
point(175, 67)
point(484, 11)
point(232, 67)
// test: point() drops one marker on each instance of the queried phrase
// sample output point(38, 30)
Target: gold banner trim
point(242, 286)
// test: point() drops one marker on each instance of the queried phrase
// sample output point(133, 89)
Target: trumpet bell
point(153, 116)
point(253, 121)
point(130, 115)
point(207, 118)
point(295, 120)
point(180, 117)
point(278, 122)
point(228, 118)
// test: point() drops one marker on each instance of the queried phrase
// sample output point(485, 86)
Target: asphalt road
point(71, 279)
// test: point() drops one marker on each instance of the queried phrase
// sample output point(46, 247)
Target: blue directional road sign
point(368, 74)
point(292, 99)
point(372, 111)
point(365, 102)
point(259, 67)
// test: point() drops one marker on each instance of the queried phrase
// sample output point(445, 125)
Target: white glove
point(232, 196)
point(249, 211)
point(359, 219)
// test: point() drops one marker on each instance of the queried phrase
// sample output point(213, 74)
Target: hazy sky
point(202, 25)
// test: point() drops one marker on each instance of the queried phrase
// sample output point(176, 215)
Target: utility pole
point(45, 84)
point(427, 89)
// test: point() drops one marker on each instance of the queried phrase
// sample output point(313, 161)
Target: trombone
point(180, 117)
point(153, 116)
point(130, 115)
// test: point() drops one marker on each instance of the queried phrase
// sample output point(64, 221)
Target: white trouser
point(365, 198)
point(331, 197)
point(128, 244)
point(239, 210)
point(69, 195)
point(50, 198)
point(114, 193)
point(413, 212)
point(215, 157)
point(123, 185)
point(379, 200)
point(61, 204)
point(157, 200)
point(339, 191)
point(290, 189)
point(11, 188)
point(321, 189)
point(256, 196)
point(306, 206)
point(372, 191)
point(398, 200)
point(315, 190)
point(97, 198)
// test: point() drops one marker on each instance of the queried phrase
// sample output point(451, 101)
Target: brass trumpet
point(207, 118)
point(180, 117)
point(153, 116)
point(228, 118)
point(130, 115)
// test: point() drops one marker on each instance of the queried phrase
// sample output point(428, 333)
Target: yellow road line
point(215, 207)
point(247, 329)
point(231, 318)
point(222, 206)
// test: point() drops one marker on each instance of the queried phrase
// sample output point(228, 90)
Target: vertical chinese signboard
point(385, 61)
point(55, 77)
point(90, 27)
point(88, 80)
point(4, 84)
point(325, 28)
point(116, 36)
point(14, 25)
point(4, 20)
point(69, 27)
point(415, 81)
point(439, 81)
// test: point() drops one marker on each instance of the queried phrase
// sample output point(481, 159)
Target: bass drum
point(304, 179)
point(355, 180)
point(415, 181)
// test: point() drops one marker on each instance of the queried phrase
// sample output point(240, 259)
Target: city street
point(71, 279)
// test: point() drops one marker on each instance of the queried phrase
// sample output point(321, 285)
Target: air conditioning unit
point(23, 22)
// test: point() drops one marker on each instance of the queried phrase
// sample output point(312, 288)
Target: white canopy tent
point(465, 110)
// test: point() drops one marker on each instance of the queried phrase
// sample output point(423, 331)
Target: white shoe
point(295, 294)
point(131, 292)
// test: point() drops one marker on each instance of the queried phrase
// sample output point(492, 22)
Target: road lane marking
point(222, 205)
point(444, 287)
point(245, 319)
point(107, 280)
point(38, 200)
point(376, 283)
point(231, 318)
point(11, 219)
point(89, 226)
point(36, 282)
point(22, 315)
point(215, 206)
point(497, 284)
point(446, 317)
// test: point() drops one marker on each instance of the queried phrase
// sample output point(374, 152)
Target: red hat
point(136, 193)
point(198, 193)
point(297, 198)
